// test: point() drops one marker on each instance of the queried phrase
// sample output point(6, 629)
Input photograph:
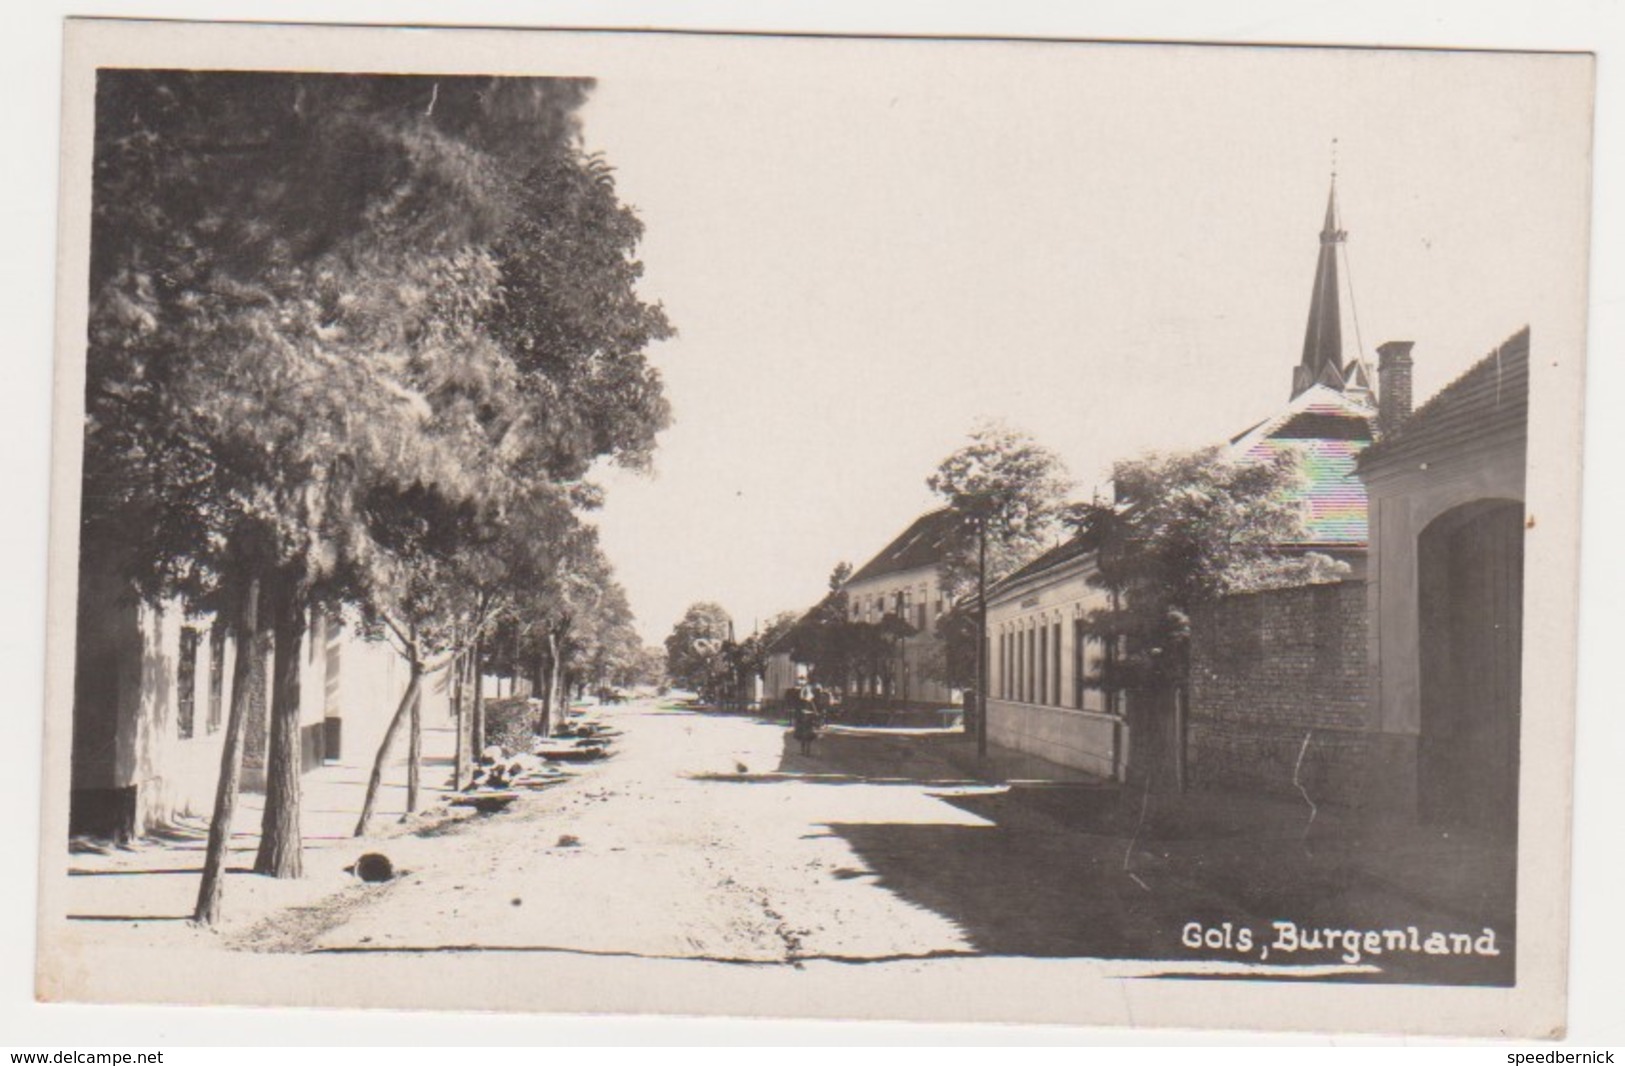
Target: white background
point(32, 72)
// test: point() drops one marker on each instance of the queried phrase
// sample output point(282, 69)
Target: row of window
point(1028, 666)
point(873, 608)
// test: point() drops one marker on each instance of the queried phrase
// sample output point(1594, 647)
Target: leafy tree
point(694, 647)
point(417, 597)
point(599, 641)
point(951, 659)
point(311, 294)
point(778, 627)
point(1184, 530)
point(1006, 491)
point(647, 669)
point(285, 270)
point(742, 662)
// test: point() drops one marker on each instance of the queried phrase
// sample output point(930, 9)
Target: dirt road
point(708, 868)
point(694, 842)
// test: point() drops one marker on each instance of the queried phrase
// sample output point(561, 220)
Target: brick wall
point(1269, 669)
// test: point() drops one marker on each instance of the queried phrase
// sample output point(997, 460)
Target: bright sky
point(866, 246)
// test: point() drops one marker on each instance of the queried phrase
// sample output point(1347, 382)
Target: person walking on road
point(803, 718)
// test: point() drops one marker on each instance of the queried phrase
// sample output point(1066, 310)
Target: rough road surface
point(691, 843)
point(708, 868)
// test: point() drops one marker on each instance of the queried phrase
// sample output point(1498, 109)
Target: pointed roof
point(1328, 430)
point(1076, 547)
point(786, 641)
point(1322, 361)
point(924, 543)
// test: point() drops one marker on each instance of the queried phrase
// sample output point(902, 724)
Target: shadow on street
point(1084, 868)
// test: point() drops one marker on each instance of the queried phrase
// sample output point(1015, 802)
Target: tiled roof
point(1333, 497)
point(1062, 553)
point(1327, 430)
point(923, 543)
point(786, 640)
point(1491, 397)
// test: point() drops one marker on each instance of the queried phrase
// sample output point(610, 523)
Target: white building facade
point(1045, 695)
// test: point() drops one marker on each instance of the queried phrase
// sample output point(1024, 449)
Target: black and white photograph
point(887, 529)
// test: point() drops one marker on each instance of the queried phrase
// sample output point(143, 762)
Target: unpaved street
point(705, 838)
point(701, 839)
point(705, 868)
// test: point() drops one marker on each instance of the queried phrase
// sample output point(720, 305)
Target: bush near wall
point(512, 723)
point(1270, 670)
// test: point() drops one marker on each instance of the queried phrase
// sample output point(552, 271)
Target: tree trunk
point(280, 842)
point(544, 691)
point(414, 751)
point(513, 658)
point(258, 690)
point(459, 768)
point(408, 698)
point(478, 726)
point(551, 704)
point(231, 760)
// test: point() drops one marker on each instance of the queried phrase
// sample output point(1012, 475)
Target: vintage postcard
point(907, 529)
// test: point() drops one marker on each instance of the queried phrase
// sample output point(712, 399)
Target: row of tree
point(355, 342)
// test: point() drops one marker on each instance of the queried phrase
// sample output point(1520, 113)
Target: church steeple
point(1322, 362)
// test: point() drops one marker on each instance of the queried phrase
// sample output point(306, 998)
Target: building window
point(186, 683)
point(1055, 665)
point(1018, 650)
point(1015, 665)
point(1034, 665)
point(1026, 663)
point(1044, 663)
point(1080, 665)
point(217, 675)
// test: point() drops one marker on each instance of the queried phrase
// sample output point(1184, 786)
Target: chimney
point(1393, 385)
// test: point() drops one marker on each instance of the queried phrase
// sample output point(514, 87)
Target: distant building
point(783, 668)
point(902, 583)
point(903, 580)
